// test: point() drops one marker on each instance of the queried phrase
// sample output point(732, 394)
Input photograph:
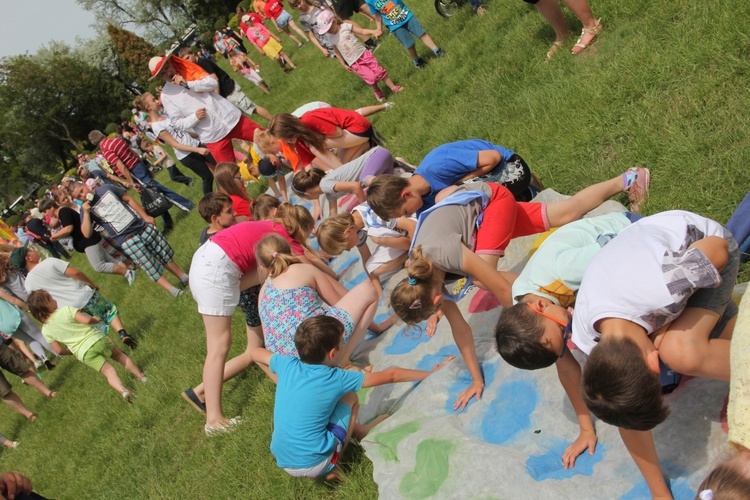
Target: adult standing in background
point(190, 99)
point(552, 12)
point(228, 87)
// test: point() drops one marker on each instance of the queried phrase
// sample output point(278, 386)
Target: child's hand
point(441, 365)
point(86, 206)
point(586, 439)
point(475, 390)
point(349, 69)
point(201, 113)
point(203, 151)
point(432, 323)
point(149, 220)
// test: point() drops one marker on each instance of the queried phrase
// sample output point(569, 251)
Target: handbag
point(154, 202)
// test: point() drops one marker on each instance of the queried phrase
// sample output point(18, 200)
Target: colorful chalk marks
point(407, 339)
point(463, 381)
point(431, 470)
point(389, 440)
point(510, 412)
point(549, 465)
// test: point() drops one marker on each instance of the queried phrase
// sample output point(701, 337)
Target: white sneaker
point(228, 427)
point(389, 105)
point(127, 396)
point(14, 444)
point(144, 379)
point(130, 276)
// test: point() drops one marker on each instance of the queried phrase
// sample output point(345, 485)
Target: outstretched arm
point(569, 373)
point(640, 445)
point(393, 375)
point(464, 339)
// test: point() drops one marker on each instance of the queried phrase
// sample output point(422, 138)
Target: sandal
point(553, 50)
point(591, 32)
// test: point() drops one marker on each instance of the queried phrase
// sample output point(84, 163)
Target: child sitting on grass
point(660, 291)
point(69, 326)
point(352, 54)
point(315, 412)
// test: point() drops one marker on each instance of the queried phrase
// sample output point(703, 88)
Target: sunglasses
point(565, 326)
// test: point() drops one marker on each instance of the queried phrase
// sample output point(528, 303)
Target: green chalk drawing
point(362, 394)
point(431, 470)
point(389, 440)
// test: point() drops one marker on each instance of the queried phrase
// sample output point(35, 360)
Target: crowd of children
point(650, 293)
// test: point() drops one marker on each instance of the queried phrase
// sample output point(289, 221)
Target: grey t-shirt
point(49, 275)
point(446, 230)
point(351, 171)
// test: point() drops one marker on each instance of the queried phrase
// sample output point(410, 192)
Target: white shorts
point(214, 281)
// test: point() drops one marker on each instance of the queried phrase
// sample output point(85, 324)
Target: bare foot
point(336, 475)
point(52, 394)
point(362, 430)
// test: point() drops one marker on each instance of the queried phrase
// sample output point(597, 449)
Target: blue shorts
point(404, 32)
point(283, 19)
point(338, 425)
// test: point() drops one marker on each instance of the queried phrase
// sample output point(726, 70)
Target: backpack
point(154, 202)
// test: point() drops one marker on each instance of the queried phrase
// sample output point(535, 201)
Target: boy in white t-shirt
point(352, 54)
point(532, 334)
point(660, 290)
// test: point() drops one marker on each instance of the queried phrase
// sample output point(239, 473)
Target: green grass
point(665, 86)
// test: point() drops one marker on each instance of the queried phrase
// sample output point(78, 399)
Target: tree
point(48, 104)
point(159, 20)
point(132, 54)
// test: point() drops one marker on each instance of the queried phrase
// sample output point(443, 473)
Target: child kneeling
point(69, 326)
point(315, 414)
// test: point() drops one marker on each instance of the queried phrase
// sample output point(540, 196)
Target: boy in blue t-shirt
point(315, 413)
point(448, 165)
point(404, 25)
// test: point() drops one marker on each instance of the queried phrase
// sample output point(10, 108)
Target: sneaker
point(129, 341)
point(144, 379)
point(127, 396)
point(379, 95)
point(638, 191)
point(420, 63)
point(14, 444)
point(439, 52)
point(396, 89)
point(192, 398)
point(37, 364)
point(130, 276)
point(190, 182)
point(403, 165)
point(372, 45)
point(388, 105)
point(48, 364)
point(228, 427)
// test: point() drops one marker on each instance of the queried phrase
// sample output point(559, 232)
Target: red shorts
point(223, 150)
point(505, 219)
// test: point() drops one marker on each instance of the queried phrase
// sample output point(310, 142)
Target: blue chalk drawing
point(339, 263)
point(463, 382)
point(356, 280)
point(676, 478)
point(680, 490)
point(407, 339)
point(429, 361)
point(510, 412)
point(549, 465)
point(379, 318)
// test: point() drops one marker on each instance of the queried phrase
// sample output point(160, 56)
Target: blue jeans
point(142, 174)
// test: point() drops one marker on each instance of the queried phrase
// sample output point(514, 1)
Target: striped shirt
point(115, 149)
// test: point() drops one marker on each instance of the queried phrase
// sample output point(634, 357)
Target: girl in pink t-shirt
point(222, 267)
point(266, 42)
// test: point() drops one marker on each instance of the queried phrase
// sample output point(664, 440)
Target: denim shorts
point(404, 32)
point(283, 19)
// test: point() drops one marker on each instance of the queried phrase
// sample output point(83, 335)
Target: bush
point(220, 23)
point(110, 129)
point(234, 22)
point(127, 114)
